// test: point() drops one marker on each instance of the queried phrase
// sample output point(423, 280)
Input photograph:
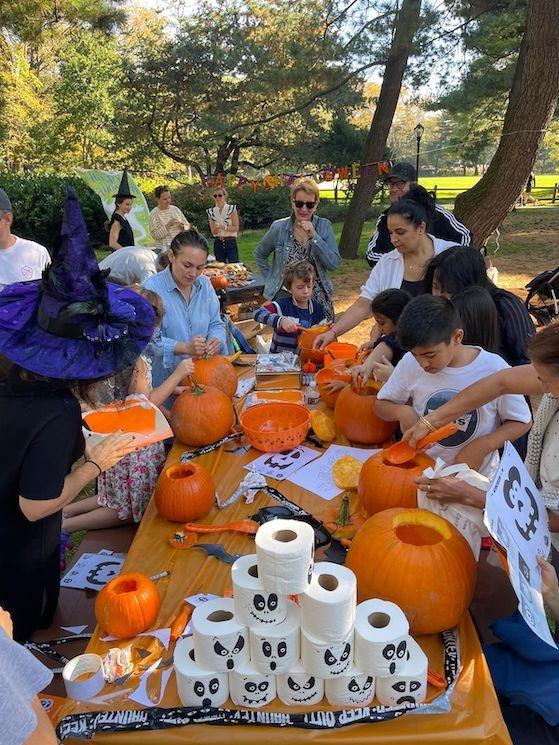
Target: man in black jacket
point(401, 177)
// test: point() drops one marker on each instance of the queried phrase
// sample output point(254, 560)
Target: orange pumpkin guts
point(202, 415)
point(217, 372)
point(127, 605)
point(355, 417)
point(417, 560)
point(184, 492)
point(383, 485)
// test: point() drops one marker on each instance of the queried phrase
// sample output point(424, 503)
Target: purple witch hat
point(72, 324)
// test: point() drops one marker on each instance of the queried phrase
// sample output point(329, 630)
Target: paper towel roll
point(249, 688)
point(89, 665)
point(298, 688)
point(326, 659)
point(220, 641)
point(285, 551)
point(274, 649)
point(328, 605)
point(251, 601)
point(409, 685)
point(381, 633)
point(196, 686)
point(353, 688)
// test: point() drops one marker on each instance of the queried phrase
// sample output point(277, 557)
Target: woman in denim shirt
point(301, 237)
point(192, 324)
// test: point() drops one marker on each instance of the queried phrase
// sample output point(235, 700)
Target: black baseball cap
point(402, 171)
point(5, 204)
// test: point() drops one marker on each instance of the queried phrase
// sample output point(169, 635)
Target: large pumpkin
point(417, 560)
point(127, 605)
point(202, 415)
point(355, 417)
point(323, 377)
point(217, 372)
point(184, 492)
point(383, 485)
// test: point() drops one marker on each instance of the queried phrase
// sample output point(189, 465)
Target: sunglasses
point(217, 195)
point(299, 204)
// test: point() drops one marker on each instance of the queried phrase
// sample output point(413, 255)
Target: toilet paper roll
point(285, 551)
point(90, 666)
point(381, 632)
point(249, 688)
point(297, 687)
point(328, 605)
point(196, 686)
point(326, 659)
point(353, 688)
point(274, 649)
point(253, 604)
point(220, 641)
point(409, 685)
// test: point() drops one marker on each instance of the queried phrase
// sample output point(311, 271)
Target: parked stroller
point(543, 296)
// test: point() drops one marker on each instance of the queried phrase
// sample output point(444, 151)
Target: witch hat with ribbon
point(124, 188)
point(72, 324)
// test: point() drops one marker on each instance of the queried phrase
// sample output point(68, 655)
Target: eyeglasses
point(217, 195)
point(299, 204)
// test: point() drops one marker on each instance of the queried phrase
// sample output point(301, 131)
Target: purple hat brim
point(26, 344)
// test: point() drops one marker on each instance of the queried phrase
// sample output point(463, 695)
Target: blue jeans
point(226, 250)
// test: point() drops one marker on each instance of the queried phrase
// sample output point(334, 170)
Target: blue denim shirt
point(182, 321)
point(324, 253)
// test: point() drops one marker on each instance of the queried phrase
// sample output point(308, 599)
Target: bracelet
point(95, 464)
point(427, 423)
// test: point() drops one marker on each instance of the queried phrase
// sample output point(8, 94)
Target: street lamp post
point(418, 129)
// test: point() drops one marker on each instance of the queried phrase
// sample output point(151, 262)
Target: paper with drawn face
point(317, 476)
point(93, 571)
point(281, 465)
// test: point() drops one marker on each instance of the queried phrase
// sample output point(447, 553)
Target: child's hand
point(550, 583)
point(213, 346)
point(364, 347)
point(184, 369)
point(382, 370)
point(335, 385)
point(360, 371)
point(289, 325)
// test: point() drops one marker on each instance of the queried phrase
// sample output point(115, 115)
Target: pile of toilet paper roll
point(260, 644)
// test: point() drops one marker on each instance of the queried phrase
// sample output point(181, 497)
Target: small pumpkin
point(417, 560)
point(216, 371)
point(184, 492)
point(201, 415)
point(128, 605)
point(383, 485)
point(219, 281)
point(356, 419)
point(323, 426)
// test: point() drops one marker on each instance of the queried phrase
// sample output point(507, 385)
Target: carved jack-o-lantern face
point(395, 653)
point(405, 690)
point(222, 651)
point(359, 689)
point(264, 608)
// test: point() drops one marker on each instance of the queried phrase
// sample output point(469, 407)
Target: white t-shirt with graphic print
point(23, 261)
point(428, 391)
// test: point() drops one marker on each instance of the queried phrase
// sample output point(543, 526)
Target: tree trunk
point(405, 26)
point(532, 101)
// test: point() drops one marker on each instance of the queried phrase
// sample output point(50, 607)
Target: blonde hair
point(305, 184)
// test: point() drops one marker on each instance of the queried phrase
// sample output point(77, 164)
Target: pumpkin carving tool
point(238, 526)
point(180, 621)
point(219, 552)
point(402, 452)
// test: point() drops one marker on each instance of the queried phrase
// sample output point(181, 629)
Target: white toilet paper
point(328, 605)
point(220, 641)
point(409, 685)
point(298, 688)
point(381, 631)
point(285, 550)
point(90, 665)
point(251, 601)
point(274, 649)
point(353, 688)
point(326, 659)
point(196, 686)
point(249, 688)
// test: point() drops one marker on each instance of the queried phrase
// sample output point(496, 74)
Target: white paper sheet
point(245, 386)
point(280, 465)
point(200, 598)
point(74, 629)
point(316, 477)
point(93, 571)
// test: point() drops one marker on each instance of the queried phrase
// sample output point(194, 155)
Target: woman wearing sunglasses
point(300, 237)
point(224, 224)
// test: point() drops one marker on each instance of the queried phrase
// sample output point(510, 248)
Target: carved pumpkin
point(219, 281)
point(323, 377)
point(417, 560)
point(127, 605)
point(202, 415)
point(306, 340)
point(323, 426)
point(217, 372)
point(383, 485)
point(184, 492)
point(355, 417)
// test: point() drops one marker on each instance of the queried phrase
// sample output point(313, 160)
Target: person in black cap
point(444, 225)
point(120, 231)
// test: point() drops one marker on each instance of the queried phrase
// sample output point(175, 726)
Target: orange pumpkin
point(219, 281)
point(202, 415)
point(184, 492)
point(127, 605)
point(383, 485)
point(355, 417)
point(323, 377)
point(306, 341)
point(417, 560)
point(215, 371)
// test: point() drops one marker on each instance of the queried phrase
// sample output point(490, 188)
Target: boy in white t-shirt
point(20, 260)
point(435, 369)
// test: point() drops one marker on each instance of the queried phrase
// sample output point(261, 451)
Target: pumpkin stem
point(197, 389)
point(344, 517)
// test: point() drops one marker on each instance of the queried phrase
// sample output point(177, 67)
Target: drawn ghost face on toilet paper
point(338, 658)
point(274, 653)
point(230, 651)
point(395, 654)
point(355, 689)
point(406, 692)
point(359, 689)
point(209, 691)
point(252, 689)
point(264, 608)
point(306, 692)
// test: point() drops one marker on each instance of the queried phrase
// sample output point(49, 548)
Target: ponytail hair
point(416, 206)
point(190, 237)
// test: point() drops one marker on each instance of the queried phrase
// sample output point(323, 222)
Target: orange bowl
point(275, 427)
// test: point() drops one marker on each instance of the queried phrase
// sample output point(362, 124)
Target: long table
point(475, 716)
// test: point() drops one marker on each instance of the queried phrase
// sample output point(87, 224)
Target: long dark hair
point(458, 268)
point(390, 303)
point(478, 316)
point(416, 206)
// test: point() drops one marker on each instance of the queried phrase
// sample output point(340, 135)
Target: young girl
point(123, 491)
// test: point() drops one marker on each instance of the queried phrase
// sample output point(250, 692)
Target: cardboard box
point(277, 371)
